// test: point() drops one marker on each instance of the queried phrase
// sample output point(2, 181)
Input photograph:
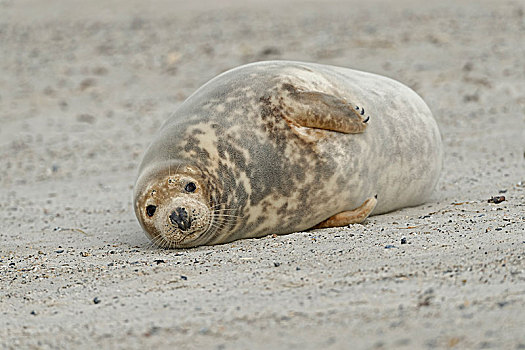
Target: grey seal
point(277, 147)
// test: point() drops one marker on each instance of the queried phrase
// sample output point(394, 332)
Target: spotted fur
point(277, 147)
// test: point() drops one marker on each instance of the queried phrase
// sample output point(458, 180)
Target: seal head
point(174, 208)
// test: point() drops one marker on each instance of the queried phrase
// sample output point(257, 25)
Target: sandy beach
point(84, 86)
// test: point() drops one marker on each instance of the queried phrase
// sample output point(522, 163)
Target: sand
point(85, 85)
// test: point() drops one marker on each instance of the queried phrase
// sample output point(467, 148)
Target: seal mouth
point(175, 237)
point(181, 223)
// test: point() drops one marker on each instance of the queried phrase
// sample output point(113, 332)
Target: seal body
point(277, 147)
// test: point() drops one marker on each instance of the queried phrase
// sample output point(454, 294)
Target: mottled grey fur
point(276, 180)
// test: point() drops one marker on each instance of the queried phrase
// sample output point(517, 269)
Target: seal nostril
point(174, 218)
point(150, 210)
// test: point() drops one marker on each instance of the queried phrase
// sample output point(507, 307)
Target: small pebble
point(403, 240)
point(59, 251)
point(276, 264)
point(502, 303)
point(33, 312)
point(496, 199)
point(96, 300)
point(388, 246)
point(184, 277)
point(159, 261)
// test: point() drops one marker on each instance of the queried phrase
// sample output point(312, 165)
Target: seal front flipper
point(317, 110)
point(355, 216)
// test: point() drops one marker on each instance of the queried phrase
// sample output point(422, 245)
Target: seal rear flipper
point(318, 110)
point(355, 216)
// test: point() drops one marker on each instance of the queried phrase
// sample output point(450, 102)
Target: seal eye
point(190, 187)
point(150, 210)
